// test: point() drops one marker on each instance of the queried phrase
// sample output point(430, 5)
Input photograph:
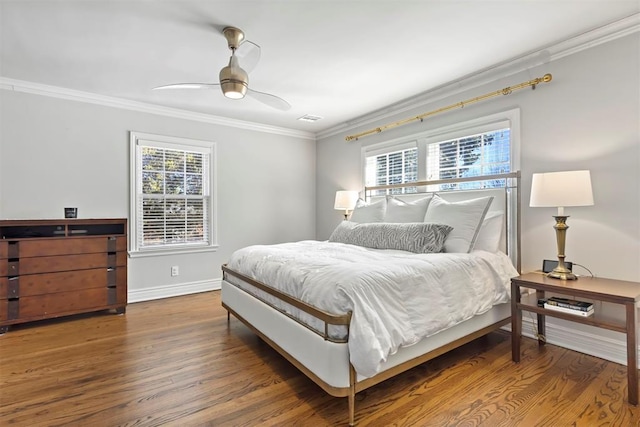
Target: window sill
point(171, 251)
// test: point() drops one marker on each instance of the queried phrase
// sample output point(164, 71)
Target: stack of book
point(564, 305)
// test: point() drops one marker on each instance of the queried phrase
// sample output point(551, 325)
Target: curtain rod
point(506, 91)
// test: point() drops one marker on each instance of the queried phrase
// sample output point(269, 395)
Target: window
point(172, 206)
point(482, 154)
point(485, 146)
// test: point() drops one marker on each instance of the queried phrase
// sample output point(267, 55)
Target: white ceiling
point(335, 59)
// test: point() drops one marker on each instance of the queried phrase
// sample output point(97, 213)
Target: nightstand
point(620, 292)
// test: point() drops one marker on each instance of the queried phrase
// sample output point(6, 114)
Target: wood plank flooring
point(177, 362)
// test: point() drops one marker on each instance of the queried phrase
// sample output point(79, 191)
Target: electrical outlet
point(175, 270)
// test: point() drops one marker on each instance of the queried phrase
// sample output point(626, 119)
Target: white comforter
point(396, 297)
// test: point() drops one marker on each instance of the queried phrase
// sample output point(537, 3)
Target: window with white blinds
point(172, 203)
point(479, 147)
point(482, 154)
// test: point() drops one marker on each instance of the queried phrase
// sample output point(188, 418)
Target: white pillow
point(465, 217)
point(490, 233)
point(401, 211)
point(369, 212)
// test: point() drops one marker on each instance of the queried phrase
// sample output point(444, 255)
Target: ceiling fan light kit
point(234, 81)
point(233, 89)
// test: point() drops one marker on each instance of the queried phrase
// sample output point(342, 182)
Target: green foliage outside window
point(173, 203)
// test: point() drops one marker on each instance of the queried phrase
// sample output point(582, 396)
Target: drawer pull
point(14, 269)
point(13, 289)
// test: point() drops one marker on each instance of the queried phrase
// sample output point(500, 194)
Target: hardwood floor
point(177, 362)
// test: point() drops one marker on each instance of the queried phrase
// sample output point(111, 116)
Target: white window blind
point(394, 167)
point(481, 154)
point(173, 207)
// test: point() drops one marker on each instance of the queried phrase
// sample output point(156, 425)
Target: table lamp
point(561, 189)
point(345, 200)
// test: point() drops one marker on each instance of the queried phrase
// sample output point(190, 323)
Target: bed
point(406, 279)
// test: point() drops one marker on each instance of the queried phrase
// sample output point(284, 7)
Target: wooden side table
point(620, 292)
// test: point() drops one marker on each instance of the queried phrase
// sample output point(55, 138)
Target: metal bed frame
point(512, 226)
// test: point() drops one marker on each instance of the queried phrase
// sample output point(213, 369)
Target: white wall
point(588, 117)
point(58, 153)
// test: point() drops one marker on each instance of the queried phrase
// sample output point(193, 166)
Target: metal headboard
point(509, 183)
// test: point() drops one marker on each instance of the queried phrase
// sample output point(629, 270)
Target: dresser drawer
point(62, 303)
point(38, 284)
point(50, 264)
point(70, 246)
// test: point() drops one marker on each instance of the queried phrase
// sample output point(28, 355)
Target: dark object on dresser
point(54, 268)
point(71, 212)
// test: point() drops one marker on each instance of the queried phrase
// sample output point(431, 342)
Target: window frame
point(421, 141)
point(208, 148)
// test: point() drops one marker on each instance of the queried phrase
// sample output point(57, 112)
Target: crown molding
point(578, 43)
point(108, 101)
point(544, 55)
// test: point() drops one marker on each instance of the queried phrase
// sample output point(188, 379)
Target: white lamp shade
point(561, 189)
point(345, 200)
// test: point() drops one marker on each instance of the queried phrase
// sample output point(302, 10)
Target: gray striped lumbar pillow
point(417, 237)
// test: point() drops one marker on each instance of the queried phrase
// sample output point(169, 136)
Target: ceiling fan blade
point(189, 86)
point(249, 54)
point(270, 100)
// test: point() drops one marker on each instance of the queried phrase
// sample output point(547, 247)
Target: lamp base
point(562, 275)
point(561, 271)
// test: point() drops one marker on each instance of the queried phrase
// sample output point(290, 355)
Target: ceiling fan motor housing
point(234, 81)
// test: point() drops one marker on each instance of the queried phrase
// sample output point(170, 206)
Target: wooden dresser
point(53, 268)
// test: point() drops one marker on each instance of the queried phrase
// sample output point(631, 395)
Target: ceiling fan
point(234, 81)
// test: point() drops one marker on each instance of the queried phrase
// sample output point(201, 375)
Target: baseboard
point(173, 290)
point(612, 346)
